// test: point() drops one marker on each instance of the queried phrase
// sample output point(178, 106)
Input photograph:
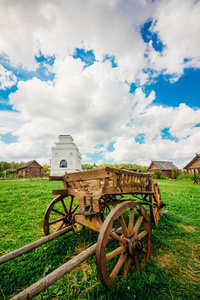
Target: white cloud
point(178, 27)
point(7, 78)
point(93, 104)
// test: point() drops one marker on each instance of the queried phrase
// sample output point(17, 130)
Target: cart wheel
point(156, 200)
point(57, 216)
point(125, 239)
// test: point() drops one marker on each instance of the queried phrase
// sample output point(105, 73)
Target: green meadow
point(173, 271)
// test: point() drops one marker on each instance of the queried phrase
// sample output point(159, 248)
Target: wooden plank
point(106, 182)
point(98, 183)
point(100, 173)
point(115, 177)
point(126, 190)
point(34, 245)
point(56, 178)
point(125, 179)
point(128, 172)
point(78, 185)
point(72, 184)
point(60, 192)
point(87, 175)
point(54, 276)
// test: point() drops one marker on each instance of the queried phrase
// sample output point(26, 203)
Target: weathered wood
point(55, 178)
point(54, 276)
point(93, 223)
point(128, 243)
point(60, 192)
point(128, 172)
point(34, 245)
point(87, 175)
point(98, 183)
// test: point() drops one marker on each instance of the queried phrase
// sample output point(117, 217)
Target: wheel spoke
point(131, 221)
point(115, 252)
point(118, 266)
point(70, 205)
point(58, 212)
point(60, 226)
point(123, 224)
point(126, 267)
point(138, 224)
point(118, 238)
point(116, 263)
point(142, 234)
point(75, 208)
point(63, 204)
point(56, 221)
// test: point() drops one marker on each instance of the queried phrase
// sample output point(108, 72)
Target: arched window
point(63, 164)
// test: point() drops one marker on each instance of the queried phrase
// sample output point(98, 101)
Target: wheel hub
point(68, 219)
point(135, 246)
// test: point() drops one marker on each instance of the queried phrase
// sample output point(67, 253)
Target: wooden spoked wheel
point(59, 214)
point(156, 201)
point(124, 240)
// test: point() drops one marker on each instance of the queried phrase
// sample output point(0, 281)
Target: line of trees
point(9, 169)
point(119, 166)
point(4, 165)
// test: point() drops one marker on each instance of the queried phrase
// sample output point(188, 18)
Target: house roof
point(28, 163)
point(197, 155)
point(164, 165)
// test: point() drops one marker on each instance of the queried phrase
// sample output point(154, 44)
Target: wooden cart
point(109, 201)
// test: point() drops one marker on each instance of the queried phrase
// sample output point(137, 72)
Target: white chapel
point(66, 157)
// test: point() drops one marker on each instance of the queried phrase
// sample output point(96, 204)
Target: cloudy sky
point(121, 76)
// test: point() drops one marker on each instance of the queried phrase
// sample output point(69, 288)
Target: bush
point(11, 171)
point(175, 173)
point(184, 176)
point(158, 175)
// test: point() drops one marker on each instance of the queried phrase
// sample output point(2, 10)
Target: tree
point(175, 173)
point(45, 168)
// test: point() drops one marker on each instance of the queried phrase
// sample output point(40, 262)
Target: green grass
point(173, 271)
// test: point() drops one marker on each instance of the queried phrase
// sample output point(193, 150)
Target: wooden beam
point(60, 192)
point(87, 175)
point(56, 178)
point(54, 276)
point(34, 245)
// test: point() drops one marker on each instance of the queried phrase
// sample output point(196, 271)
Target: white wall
point(66, 150)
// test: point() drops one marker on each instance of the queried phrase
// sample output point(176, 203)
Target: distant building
point(165, 167)
point(30, 169)
point(194, 165)
point(66, 157)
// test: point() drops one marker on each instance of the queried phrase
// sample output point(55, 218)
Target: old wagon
point(124, 232)
point(109, 201)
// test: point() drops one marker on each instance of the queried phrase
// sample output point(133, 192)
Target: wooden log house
point(193, 167)
point(30, 169)
point(165, 168)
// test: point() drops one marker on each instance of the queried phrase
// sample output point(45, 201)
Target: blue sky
point(124, 82)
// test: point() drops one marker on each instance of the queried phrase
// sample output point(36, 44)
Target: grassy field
point(173, 272)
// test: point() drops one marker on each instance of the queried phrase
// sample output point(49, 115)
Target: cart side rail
point(93, 181)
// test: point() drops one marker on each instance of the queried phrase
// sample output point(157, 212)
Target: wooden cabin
point(30, 169)
point(165, 168)
point(194, 165)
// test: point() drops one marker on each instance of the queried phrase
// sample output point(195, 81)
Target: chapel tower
point(66, 157)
